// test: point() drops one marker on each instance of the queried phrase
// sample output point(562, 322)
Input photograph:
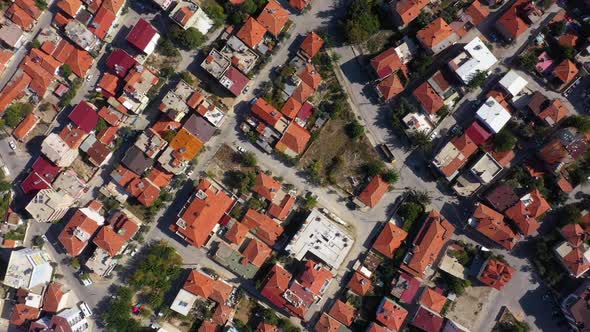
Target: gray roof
point(137, 161)
point(199, 127)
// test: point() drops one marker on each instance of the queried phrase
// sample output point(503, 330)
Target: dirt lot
point(243, 309)
point(84, 170)
point(468, 306)
point(225, 160)
point(334, 142)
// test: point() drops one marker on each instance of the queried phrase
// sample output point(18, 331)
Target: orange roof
point(52, 297)
point(434, 33)
point(430, 100)
point(111, 116)
point(221, 314)
point(185, 145)
point(359, 284)
point(25, 127)
point(310, 77)
point(123, 176)
point(251, 33)
point(109, 83)
point(164, 125)
point(312, 44)
point(262, 226)
point(386, 63)
point(554, 113)
point(281, 211)
point(79, 229)
point(576, 262)
point(206, 287)
point(9, 243)
point(201, 215)
point(30, 7)
point(237, 233)
point(20, 17)
point(72, 136)
point(61, 20)
point(295, 138)
point(21, 313)
point(291, 108)
point(315, 277)
point(80, 61)
point(492, 225)
point(467, 147)
point(113, 5)
point(408, 10)
point(477, 12)
point(327, 324)
point(511, 21)
point(208, 326)
point(299, 4)
point(159, 177)
point(111, 238)
point(574, 234)
point(391, 314)
point(275, 283)
point(46, 61)
point(496, 274)
point(70, 7)
point(41, 78)
point(102, 22)
point(265, 327)
point(525, 215)
point(433, 300)
point(266, 186)
point(62, 51)
point(256, 252)
point(566, 71)
point(5, 56)
point(374, 191)
point(13, 90)
point(568, 39)
point(343, 312)
point(390, 87)
point(195, 99)
point(107, 135)
point(273, 17)
point(266, 112)
point(302, 92)
point(435, 232)
point(389, 240)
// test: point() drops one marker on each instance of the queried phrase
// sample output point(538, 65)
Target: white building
point(418, 122)
point(58, 151)
point(72, 319)
point(49, 205)
point(28, 268)
point(513, 83)
point(183, 302)
point(493, 115)
point(486, 168)
point(323, 238)
point(475, 58)
point(188, 14)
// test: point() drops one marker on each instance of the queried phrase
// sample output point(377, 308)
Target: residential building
point(390, 87)
point(139, 81)
point(85, 116)
point(188, 14)
point(315, 278)
point(79, 229)
point(373, 192)
point(81, 36)
point(359, 284)
point(208, 110)
point(565, 73)
point(199, 285)
point(144, 37)
point(391, 314)
point(25, 127)
point(502, 197)
point(327, 323)
point(102, 23)
point(42, 174)
point(321, 237)
point(311, 45)
point(58, 151)
point(252, 33)
point(20, 17)
point(300, 5)
point(267, 113)
point(551, 112)
point(200, 215)
point(495, 273)
point(478, 133)
point(234, 81)
point(216, 63)
point(285, 293)
point(390, 239)
point(386, 63)
point(49, 205)
point(576, 309)
point(70, 7)
point(475, 58)
point(527, 210)
point(576, 259)
point(242, 57)
point(150, 143)
point(433, 300)
point(28, 268)
point(343, 312)
point(426, 320)
point(418, 123)
point(437, 36)
point(273, 18)
point(69, 183)
point(454, 155)
point(430, 101)
point(491, 224)
point(486, 169)
point(120, 62)
point(405, 11)
point(517, 19)
point(476, 13)
point(294, 140)
point(567, 146)
point(421, 258)
point(512, 83)
point(164, 4)
point(12, 36)
point(263, 226)
point(493, 115)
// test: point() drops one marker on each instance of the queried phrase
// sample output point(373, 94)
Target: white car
point(85, 309)
point(88, 78)
point(86, 281)
point(241, 149)
point(12, 145)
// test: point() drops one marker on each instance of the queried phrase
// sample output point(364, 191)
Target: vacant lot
point(340, 157)
point(226, 160)
point(468, 306)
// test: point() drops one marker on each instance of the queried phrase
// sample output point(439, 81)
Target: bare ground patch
point(469, 306)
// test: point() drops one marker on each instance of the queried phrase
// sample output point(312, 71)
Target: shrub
point(16, 113)
point(390, 176)
point(504, 141)
point(248, 159)
point(354, 130)
point(189, 39)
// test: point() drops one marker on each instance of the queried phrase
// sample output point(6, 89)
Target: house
point(281, 211)
point(252, 33)
point(49, 205)
point(144, 36)
point(426, 320)
point(373, 192)
point(386, 63)
point(328, 324)
point(486, 168)
point(323, 238)
point(315, 278)
point(390, 239)
point(389, 87)
point(200, 215)
point(430, 101)
point(69, 183)
point(264, 227)
point(55, 298)
point(12, 36)
point(81, 36)
point(275, 283)
point(437, 36)
point(273, 18)
point(575, 308)
point(576, 259)
point(405, 287)
point(567, 146)
point(108, 86)
point(391, 314)
point(20, 17)
point(22, 314)
point(359, 284)
point(72, 319)
point(70, 7)
point(527, 210)
point(478, 133)
point(517, 19)
point(267, 113)
point(421, 258)
point(266, 186)
point(475, 58)
point(343, 312)
point(493, 115)
point(432, 300)
point(102, 23)
point(25, 127)
point(311, 45)
point(216, 63)
point(41, 78)
point(138, 82)
point(85, 116)
point(565, 73)
point(150, 143)
point(405, 11)
point(551, 112)
point(512, 83)
point(164, 4)
point(294, 140)
point(299, 5)
point(136, 160)
point(143, 190)
point(14, 90)
point(242, 57)
point(43, 173)
point(28, 268)
point(79, 229)
point(502, 197)
point(234, 81)
point(188, 14)
point(454, 155)
point(476, 13)
point(120, 62)
point(491, 224)
point(495, 273)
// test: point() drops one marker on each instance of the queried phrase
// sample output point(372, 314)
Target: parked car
point(12, 145)
point(85, 309)
point(241, 149)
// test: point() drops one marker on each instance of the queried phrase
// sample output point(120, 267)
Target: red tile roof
point(265, 327)
point(435, 33)
point(208, 326)
point(206, 287)
point(30, 7)
point(262, 226)
point(201, 215)
point(359, 284)
point(256, 253)
point(390, 87)
point(299, 4)
point(265, 186)
point(496, 274)
point(113, 5)
point(72, 136)
point(568, 39)
point(525, 216)
point(13, 90)
point(60, 20)
point(512, 22)
point(310, 76)
point(70, 7)
point(237, 233)
point(266, 112)
point(111, 238)
point(386, 63)
point(391, 314)
point(467, 147)
point(295, 139)
point(430, 100)
point(408, 10)
point(80, 61)
point(273, 17)
point(427, 320)
point(142, 34)
point(21, 313)
point(49, 63)
point(374, 327)
point(554, 113)
point(312, 44)
point(291, 108)
point(433, 300)
point(315, 277)
point(389, 240)
point(123, 176)
point(435, 232)
point(43, 173)
point(79, 229)
point(281, 211)
point(374, 191)
point(574, 234)
point(343, 312)
point(120, 62)
point(302, 92)
point(275, 284)
point(102, 22)
point(25, 127)
point(576, 262)
point(85, 116)
point(566, 71)
point(160, 177)
point(52, 297)
point(478, 133)
point(221, 314)
point(41, 78)
point(477, 12)
point(237, 79)
point(492, 225)
point(107, 135)
point(108, 85)
point(20, 17)
point(327, 324)
point(251, 33)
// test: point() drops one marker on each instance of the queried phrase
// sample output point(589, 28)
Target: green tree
point(528, 61)
point(374, 167)
point(310, 201)
point(249, 7)
point(504, 140)
point(117, 316)
point(558, 28)
point(354, 130)
point(189, 39)
point(420, 196)
point(169, 135)
point(35, 43)
point(580, 122)
point(66, 70)
point(567, 51)
point(101, 125)
point(167, 72)
point(390, 176)
point(361, 22)
point(187, 77)
point(420, 140)
point(255, 203)
point(215, 12)
point(315, 169)
point(410, 212)
point(167, 48)
point(16, 113)
point(248, 159)
point(75, 263)
point(4, 186)
point(477, 80)
point(41, 4)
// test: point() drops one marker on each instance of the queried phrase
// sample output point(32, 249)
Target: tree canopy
point(189, 39)
point(504, 141)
